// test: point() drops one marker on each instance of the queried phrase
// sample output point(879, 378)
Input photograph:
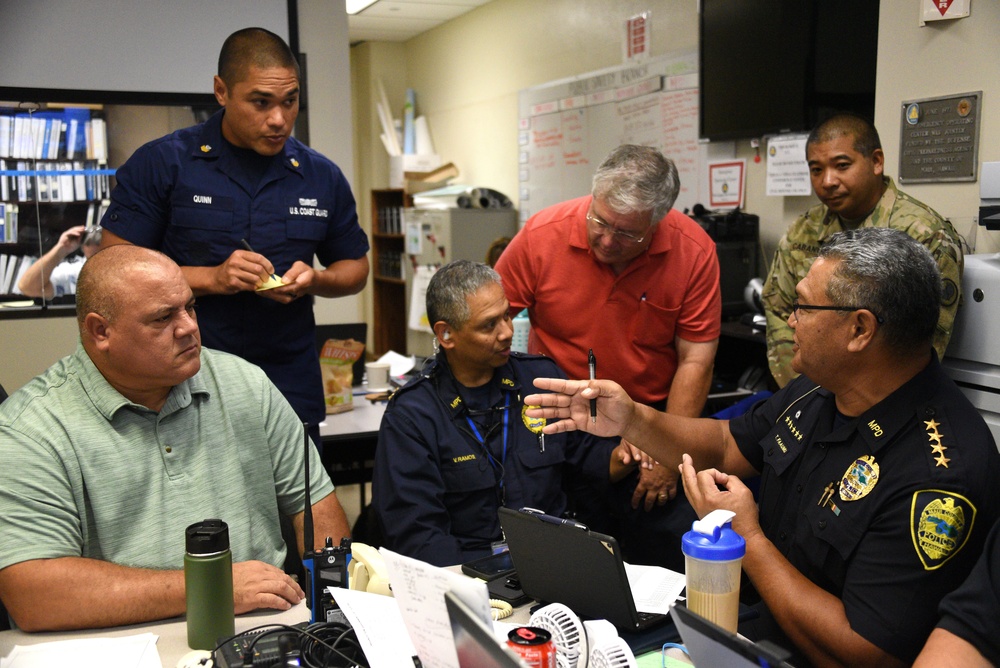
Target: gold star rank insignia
point(937, 446)
point(205, 148)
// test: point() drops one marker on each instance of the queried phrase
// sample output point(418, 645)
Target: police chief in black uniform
point(455, 443)
point(877, 474)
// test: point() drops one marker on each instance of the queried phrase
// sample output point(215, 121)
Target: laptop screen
point(711, 645)
point(563, 562)
point(475, 642)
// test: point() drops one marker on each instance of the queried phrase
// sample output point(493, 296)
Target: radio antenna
point(307, 523)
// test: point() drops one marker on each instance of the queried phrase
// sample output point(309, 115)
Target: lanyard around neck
point(482, 441)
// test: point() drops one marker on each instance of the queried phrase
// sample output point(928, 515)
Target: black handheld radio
point(326, 567)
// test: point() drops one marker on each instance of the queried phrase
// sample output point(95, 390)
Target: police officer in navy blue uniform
point(878, 475)
point(968, 635)
point(207, 194)
point(455, 443)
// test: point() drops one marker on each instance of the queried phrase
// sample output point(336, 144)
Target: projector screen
point(128, 50)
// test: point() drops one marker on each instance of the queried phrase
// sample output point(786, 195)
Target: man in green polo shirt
point(115, 449)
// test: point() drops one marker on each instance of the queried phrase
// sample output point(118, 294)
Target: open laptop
point(711, 645)
point(475, 643)
point(561, 561)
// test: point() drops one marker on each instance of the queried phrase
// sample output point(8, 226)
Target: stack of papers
point(138, 651)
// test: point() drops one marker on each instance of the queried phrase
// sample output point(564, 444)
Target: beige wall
point(467, 74)
point(371, 63)
point(323, 38)
point(943, 58)
point(30, 346)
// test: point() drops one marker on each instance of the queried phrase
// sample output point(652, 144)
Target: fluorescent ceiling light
point(355, 6)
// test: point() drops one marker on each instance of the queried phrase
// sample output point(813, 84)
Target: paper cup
point(378, 375)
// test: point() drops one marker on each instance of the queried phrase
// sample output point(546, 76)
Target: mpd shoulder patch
point(940, 524)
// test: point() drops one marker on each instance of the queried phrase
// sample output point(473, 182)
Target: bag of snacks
point(336, 360)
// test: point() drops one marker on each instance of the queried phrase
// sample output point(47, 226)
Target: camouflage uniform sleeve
point(777, 297)
point(944, 244)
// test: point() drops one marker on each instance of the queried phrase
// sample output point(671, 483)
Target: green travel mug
point(208, 584)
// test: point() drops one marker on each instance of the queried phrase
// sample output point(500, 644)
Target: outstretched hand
point(566, 407)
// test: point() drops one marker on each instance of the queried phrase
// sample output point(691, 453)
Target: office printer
point(973, 355)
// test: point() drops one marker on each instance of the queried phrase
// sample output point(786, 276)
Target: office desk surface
point(363, 421)
point(349, 441)
point(172, 643)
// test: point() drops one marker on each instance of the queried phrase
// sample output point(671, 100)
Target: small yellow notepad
point(270, 284)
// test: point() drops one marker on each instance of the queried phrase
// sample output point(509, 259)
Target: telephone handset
point(367, 570)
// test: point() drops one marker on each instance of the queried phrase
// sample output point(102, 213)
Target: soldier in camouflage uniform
point(846, 168)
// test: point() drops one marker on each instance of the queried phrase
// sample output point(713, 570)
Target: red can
point(534, 646)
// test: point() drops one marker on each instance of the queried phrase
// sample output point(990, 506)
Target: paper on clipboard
point(418, 299)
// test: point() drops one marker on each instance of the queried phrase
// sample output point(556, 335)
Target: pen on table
point(246, 245)
point(592, 363)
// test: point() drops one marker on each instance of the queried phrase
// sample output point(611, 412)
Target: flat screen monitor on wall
point(769, 66)
point(108, 51)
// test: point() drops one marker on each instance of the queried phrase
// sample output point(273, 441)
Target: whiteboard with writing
point(567, 127)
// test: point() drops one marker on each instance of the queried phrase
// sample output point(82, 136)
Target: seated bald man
point(115, 449)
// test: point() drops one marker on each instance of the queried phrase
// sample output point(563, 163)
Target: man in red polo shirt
point(624, 274)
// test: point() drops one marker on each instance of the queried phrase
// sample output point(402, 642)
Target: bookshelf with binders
point(389, 285)
point(53, 175)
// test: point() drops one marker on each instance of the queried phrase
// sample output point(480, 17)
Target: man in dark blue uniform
point(455, 443)
point(968, 635)
point(205, 194)
point(877, 475)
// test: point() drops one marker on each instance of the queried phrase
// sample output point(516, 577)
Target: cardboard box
point(412, 162)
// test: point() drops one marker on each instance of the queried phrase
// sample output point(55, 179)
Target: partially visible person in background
point(968, 635)
point(495, 249)
point(54, 274)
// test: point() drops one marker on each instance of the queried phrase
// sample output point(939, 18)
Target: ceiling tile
point(401, 20)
